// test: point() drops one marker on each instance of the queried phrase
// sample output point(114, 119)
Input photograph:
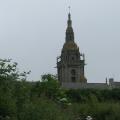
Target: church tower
point(70, 65)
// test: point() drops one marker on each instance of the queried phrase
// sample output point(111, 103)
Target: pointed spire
point(69, 30)
point(69, 20)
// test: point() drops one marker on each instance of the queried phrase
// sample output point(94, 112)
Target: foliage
point(46, 100)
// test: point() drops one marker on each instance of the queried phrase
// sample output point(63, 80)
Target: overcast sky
point(32, 33)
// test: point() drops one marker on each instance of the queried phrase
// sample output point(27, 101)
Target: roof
point(84, 85)
point(71, 45)
point(116, 84)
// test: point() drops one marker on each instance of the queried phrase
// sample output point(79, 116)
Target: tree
point(9, 71)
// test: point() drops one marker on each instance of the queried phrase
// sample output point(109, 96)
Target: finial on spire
point(69, 15)
point(69, 8)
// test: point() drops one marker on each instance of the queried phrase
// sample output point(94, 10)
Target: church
point(71, 63)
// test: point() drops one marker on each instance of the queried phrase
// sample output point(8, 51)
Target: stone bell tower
point(70, 65)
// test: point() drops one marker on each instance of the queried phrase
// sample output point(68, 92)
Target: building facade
point(70, 64)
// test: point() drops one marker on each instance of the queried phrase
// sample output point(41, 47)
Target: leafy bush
point(46, 100)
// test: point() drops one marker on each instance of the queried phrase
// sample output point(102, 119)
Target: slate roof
point(85, 85)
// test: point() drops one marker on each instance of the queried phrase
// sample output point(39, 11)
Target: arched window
point(73, 75)
point(73, 72)
point(72, 58)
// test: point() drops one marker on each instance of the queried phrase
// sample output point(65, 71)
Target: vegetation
point(46, 100)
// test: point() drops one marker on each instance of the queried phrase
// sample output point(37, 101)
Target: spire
point(69, 30)
point(69, 20)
